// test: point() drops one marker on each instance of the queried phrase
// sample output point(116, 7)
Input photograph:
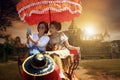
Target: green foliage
point(9, 49)
point(1, 50)
point(6, 49)
point(5, 22)
point(3, 54)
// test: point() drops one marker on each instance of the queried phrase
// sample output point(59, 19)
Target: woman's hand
point(31, 39)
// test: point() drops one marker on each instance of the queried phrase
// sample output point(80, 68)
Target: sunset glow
point(89, 30)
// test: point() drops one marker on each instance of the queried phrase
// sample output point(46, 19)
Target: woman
point(38, 42)
point(59, 43)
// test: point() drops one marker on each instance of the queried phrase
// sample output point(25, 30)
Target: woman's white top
point(42, 41)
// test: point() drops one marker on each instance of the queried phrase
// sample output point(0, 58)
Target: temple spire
point(106, 35)
point(73, 25)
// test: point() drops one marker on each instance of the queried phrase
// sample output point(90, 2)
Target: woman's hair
point(56, 24)
point(46, 26)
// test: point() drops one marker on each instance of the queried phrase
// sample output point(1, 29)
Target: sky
point(101, 14)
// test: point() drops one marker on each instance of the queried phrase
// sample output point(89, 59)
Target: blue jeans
point(34, 50)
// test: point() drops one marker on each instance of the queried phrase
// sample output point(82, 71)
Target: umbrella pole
point(49, 15)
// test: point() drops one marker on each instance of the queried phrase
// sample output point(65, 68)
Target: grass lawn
point(9, 71)
point(107, 66)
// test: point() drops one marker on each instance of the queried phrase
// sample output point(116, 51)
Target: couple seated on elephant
point(56, 45)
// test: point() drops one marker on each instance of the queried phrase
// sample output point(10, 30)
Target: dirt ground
point(82, 74)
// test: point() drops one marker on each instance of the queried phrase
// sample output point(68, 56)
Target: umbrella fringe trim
point(47, 9)
point(46, 2)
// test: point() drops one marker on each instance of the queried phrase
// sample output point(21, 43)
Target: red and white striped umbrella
point(34, 11)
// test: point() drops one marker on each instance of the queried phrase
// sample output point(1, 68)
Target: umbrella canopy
point(34, 11)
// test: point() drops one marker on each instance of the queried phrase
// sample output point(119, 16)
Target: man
point(40, 67)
